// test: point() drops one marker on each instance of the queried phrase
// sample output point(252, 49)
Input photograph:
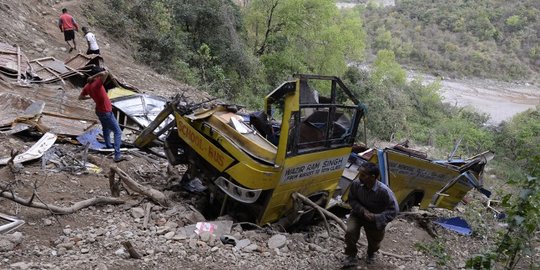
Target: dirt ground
point(92, 237)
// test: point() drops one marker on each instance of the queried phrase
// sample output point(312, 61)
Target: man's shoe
point(370, 259)
point(70, 50)
point(122, 158)
point(350, 261)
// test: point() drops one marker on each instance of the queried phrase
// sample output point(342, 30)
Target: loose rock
point(277, 241)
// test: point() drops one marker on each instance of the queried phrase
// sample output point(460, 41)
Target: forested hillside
point(486, 38)
point(232, 51)
point(239, 51)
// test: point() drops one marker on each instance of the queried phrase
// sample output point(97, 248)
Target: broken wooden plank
point(147, 215)
point(151, 193)
point(114, 185)
point(18, 63)
point(131, 250)
point(43, 58)
point(7, 52)
point(51, 71)
point(69, 117)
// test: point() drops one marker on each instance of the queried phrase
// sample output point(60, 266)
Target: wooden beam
point(18, 63)
point(43, 58)
point(7, 52)
point(73, 70)
point(68, 117)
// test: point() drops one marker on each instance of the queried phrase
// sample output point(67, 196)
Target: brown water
point(501, 100)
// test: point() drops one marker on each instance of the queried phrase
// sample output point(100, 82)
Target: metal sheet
point(56, 101)
point(456, 224)
point(31, 113)
point(13, 223)
point(11, 106)
point(141, 108)
point(36, 151)
point(55, 65)
point(64, 126)
point(35, 109)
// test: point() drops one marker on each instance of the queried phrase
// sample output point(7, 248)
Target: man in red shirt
point(68, 25)
point(94, 89)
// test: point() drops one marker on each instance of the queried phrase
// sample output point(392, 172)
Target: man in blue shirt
point(373, 207)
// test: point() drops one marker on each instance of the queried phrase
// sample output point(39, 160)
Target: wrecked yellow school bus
point(250, 164)
point(417, 180)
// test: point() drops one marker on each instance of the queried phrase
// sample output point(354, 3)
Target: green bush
point(518, 159)
point(437, 249)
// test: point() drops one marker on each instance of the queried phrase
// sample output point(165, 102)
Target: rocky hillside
point(33, 27)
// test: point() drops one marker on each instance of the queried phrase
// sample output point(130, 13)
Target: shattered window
point(325, 119)
point(313, 127)
point(342, 128)
point(275, 120)
point(292, 142)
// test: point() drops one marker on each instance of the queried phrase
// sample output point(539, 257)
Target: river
point(501, 100)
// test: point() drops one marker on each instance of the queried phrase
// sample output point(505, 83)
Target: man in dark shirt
point(94, 89)
point(373, 206)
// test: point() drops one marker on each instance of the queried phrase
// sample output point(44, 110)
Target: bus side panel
point(306, 174)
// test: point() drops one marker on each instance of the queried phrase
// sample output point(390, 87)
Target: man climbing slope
point(373, 207)
point(93, 47)
point(68, 26)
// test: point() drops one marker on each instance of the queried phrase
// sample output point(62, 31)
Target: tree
point(306, 36)
point(387, 71)
point(382, 92)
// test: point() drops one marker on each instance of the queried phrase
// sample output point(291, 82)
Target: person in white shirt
point(93, 47)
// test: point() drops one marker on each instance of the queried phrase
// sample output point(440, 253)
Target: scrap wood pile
point(14, 64)
point(38, 101)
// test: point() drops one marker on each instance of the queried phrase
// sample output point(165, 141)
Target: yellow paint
point(119, 92)
point(320, 181)
point(430, 179)
point(202, 146)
